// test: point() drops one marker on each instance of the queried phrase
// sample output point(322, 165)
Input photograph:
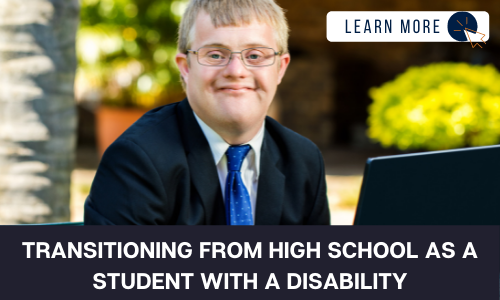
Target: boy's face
point(233, 96)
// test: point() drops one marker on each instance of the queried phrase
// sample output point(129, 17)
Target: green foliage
point(438, 106)
point(126, 50)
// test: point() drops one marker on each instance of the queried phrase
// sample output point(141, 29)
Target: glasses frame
point(196, 52)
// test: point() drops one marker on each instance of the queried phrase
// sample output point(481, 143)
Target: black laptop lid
point(455, 187)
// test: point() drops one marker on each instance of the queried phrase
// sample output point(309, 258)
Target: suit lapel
point(202, 168)
point(271, 188)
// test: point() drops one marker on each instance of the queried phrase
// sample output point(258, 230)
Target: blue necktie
point(238, 207)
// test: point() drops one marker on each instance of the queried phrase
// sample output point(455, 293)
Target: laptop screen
point(453, 187)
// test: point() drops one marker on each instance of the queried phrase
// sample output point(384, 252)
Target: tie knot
point(235, 156)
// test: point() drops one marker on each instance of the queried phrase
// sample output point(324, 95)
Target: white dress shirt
point(251, 164)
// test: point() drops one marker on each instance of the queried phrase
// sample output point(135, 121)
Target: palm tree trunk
point(37, 109)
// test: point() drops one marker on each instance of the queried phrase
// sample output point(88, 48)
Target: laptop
point(453, 187)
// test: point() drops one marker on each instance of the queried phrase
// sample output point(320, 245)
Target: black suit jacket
point(161, 171)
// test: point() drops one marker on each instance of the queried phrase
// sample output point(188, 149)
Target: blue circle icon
point(458, 22)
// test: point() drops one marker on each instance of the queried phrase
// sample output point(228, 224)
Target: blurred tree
point(126, 51)
point(438, 106)
point(37, 109)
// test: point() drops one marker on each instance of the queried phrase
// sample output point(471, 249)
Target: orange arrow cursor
point(476, 44)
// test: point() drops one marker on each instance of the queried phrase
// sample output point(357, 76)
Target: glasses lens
point(213, 56)
point(259, 56)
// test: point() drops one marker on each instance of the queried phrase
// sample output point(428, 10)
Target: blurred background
point(354, 100)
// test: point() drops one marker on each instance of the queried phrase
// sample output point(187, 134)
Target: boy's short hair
point(234, 13)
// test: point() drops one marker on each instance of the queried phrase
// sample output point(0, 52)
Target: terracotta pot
point(111, 122)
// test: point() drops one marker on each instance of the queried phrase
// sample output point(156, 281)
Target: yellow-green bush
point(438, 106)
point(126, 51)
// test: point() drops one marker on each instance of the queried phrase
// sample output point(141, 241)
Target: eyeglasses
point(252, 57)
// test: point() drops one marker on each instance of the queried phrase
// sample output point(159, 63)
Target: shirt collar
point(219, 146)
